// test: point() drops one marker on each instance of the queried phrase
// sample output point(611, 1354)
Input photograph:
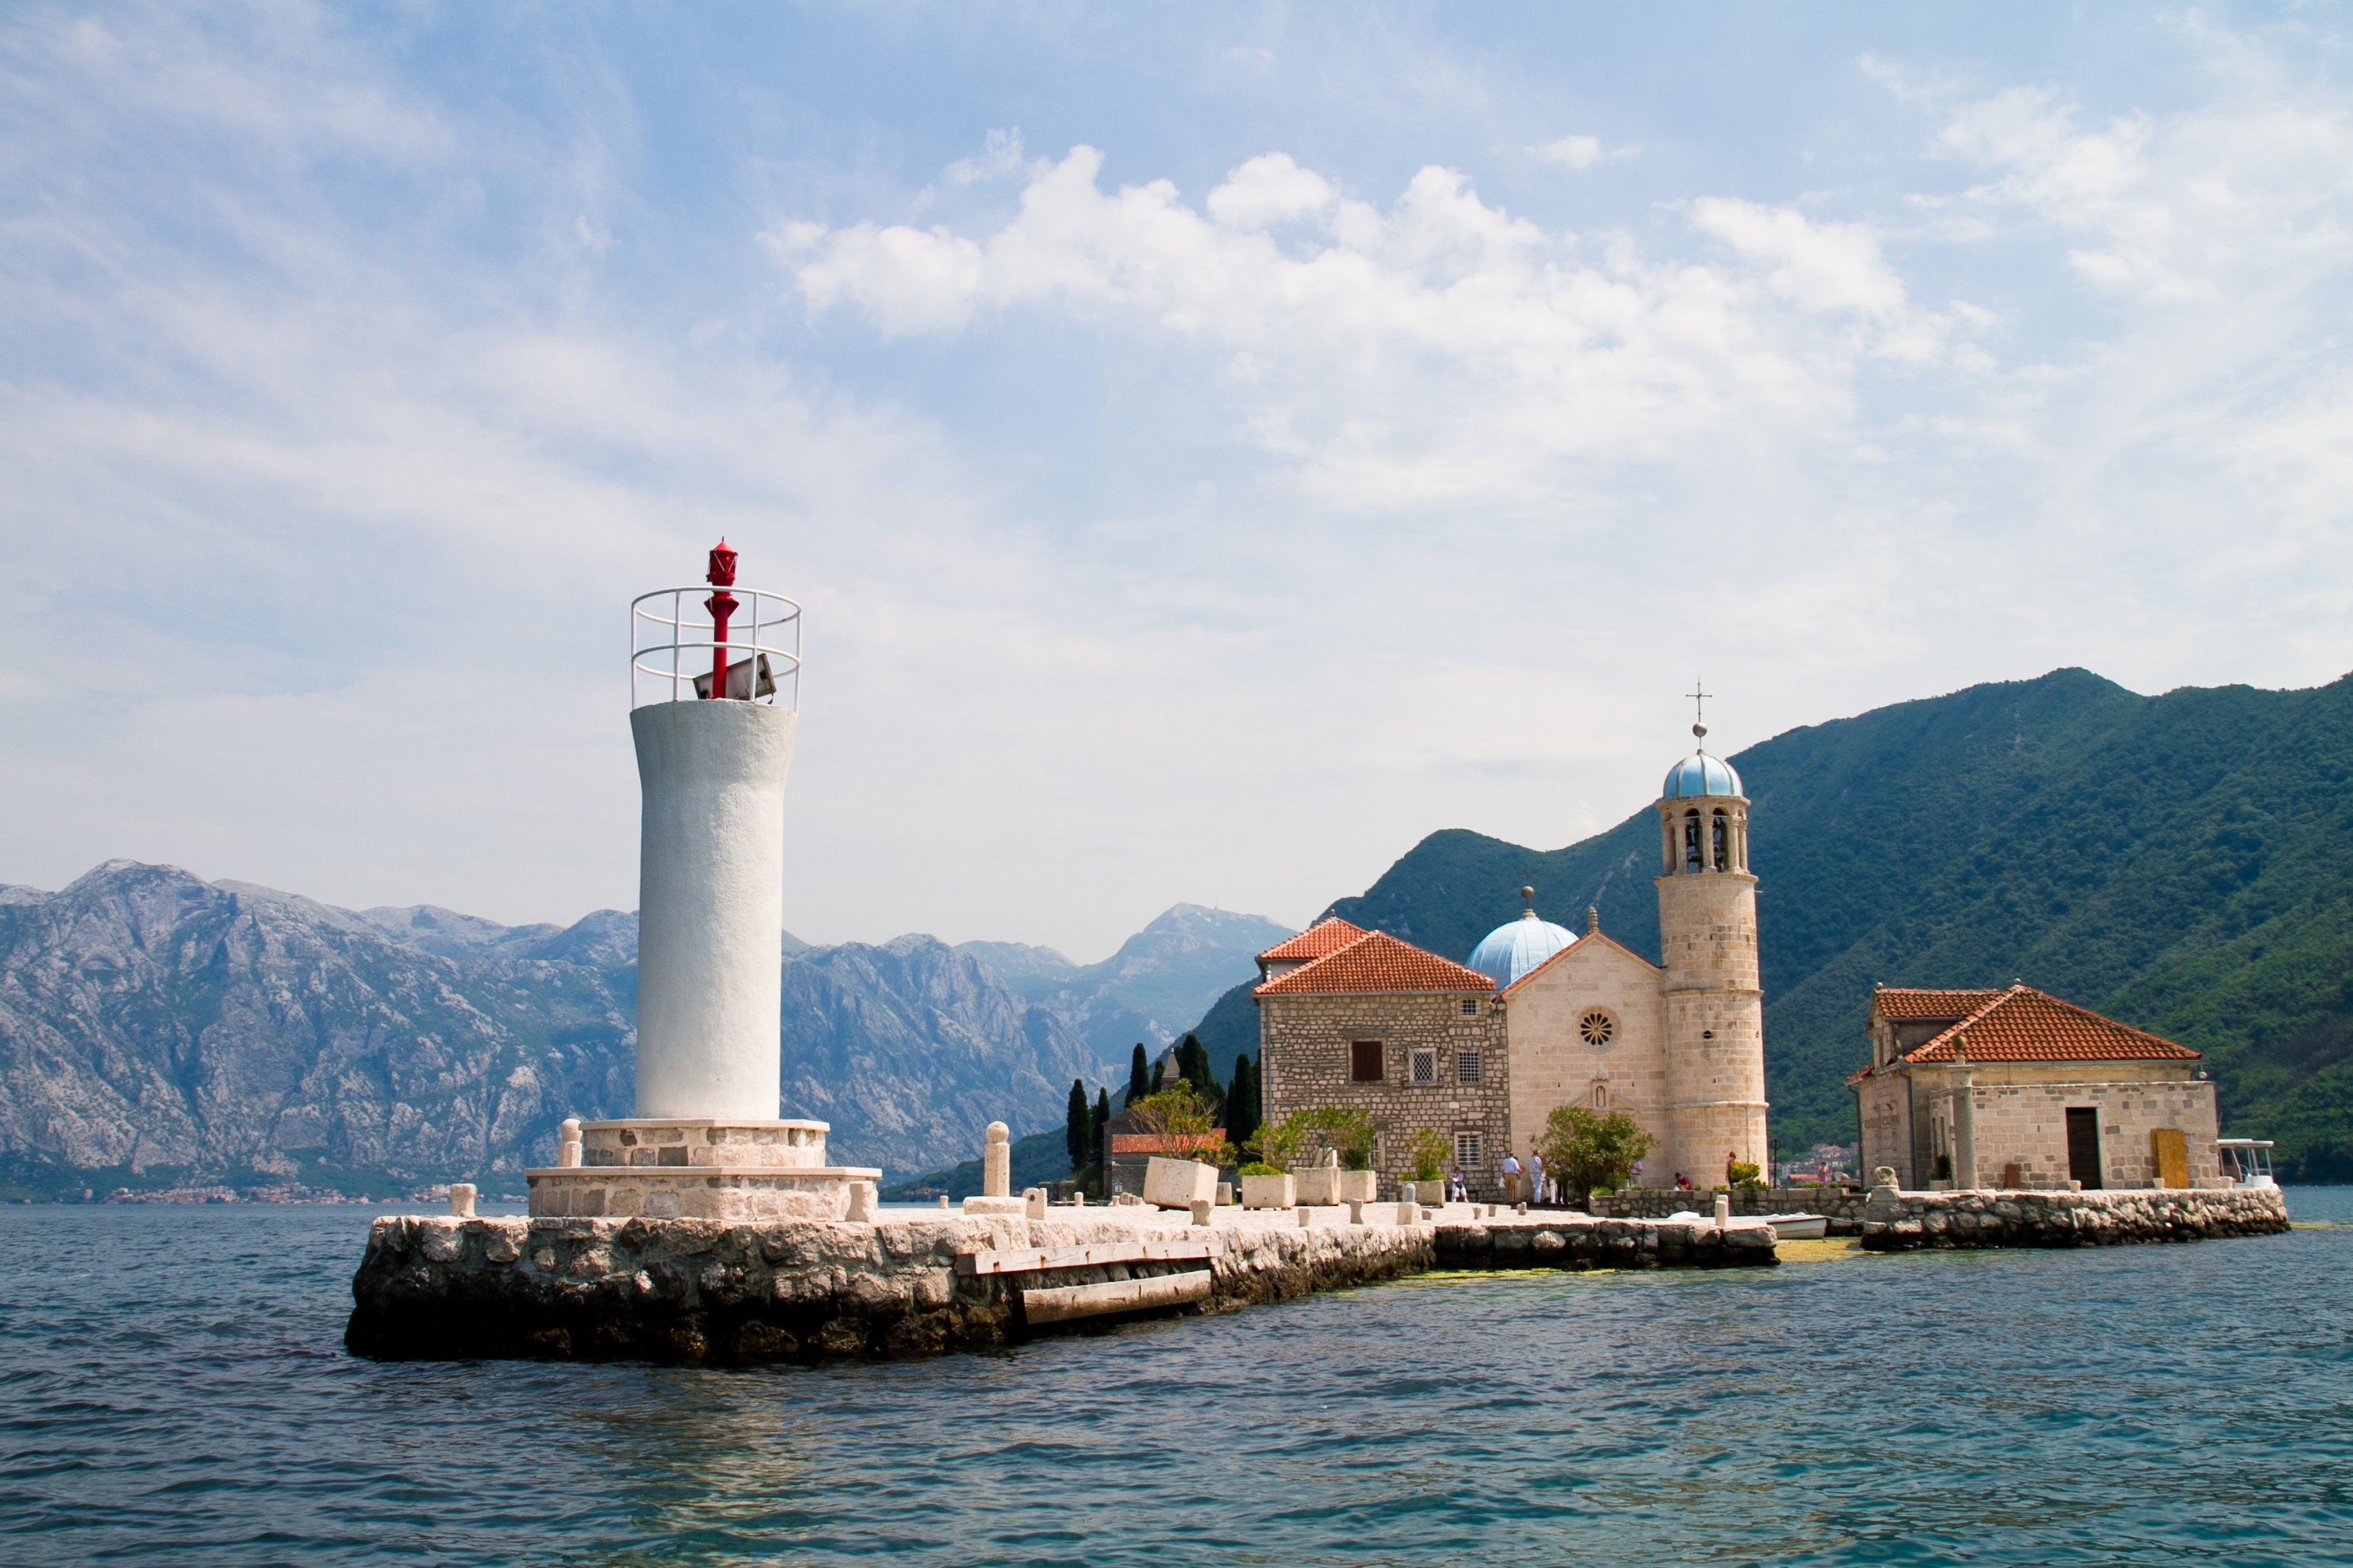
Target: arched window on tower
point(1691, 840)
point(1722, 846)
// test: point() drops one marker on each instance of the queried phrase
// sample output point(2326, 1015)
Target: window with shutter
point(1365, 1061)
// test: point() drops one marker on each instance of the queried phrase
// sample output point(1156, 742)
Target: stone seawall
point(438, 1288)
point(1841, 1208)
point(1901, 1222)
point(1556, 1239)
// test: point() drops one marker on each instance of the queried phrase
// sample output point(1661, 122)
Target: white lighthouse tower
point(712, 712)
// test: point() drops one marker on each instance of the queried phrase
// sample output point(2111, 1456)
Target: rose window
point(1597, 1029)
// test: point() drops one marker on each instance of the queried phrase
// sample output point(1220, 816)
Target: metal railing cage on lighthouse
point(672, 655)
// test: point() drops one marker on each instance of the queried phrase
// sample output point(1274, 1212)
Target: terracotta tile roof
point(2023, 1025)
point(1899, 1001)
point(1324, 938)
point(1158, 1143)
point(1377, 961)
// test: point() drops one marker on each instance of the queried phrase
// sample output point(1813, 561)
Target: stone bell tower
point(1713, 1006)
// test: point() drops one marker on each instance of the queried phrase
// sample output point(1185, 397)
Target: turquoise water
point(176, 1391)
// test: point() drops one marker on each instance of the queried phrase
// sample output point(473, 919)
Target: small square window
point(1466, 1067)
point(1365, 1061)
point(1425, 1069)
point(1470, 1006)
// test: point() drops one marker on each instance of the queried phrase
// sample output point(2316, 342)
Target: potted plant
point(1266, 1187)
point(1181, 1122)
point(1425, 1156)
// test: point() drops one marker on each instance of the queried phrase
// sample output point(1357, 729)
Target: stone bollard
point(1306, 1218)
point(996, 1163)
point(568, 1142)
point(1078, 1200)
point(1408, 1213)
point(943, 1200)
point(1356, 1211)
point(1035, 1199)
point(1225, 1195)
point(861, 1203)
point(1723, 1210)
point(1200, 1211)
point(461, 1200)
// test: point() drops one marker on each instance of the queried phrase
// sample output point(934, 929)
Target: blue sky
point(1217, 445)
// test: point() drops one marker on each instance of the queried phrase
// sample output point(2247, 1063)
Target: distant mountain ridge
point(2183, 863)
point(152, 1021)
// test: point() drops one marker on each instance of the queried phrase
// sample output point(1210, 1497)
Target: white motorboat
point(2246, 1162)
point(1800, 1227)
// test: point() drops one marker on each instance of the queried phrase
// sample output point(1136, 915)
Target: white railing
point(763, 646)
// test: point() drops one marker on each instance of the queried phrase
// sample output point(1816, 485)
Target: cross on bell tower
point(1699, 713)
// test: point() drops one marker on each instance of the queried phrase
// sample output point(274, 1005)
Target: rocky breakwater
point(1897, 1221)
point(694, 1290)
point(1547, 1240)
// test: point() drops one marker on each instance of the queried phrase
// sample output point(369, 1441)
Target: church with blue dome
point(1538, 1016)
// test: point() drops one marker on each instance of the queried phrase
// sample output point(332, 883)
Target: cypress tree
point(1193, 1067)
point(1100, 1149)
point(1078, 1127)
point(1139, 1078)
point(1242, 1102)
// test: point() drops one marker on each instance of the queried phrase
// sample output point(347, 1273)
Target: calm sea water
point(176, 1391)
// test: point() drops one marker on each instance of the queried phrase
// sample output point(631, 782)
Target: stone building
point(1542, 1017)
point(2016, 1089)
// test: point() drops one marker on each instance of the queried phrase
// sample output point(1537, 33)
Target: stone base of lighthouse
point(736, 1172)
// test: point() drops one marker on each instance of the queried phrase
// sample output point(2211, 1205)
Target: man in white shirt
point(1535, 1176)
point(1511, 1177)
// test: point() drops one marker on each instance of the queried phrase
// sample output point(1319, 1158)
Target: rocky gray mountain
point(1161, 979)
point(154, 1027)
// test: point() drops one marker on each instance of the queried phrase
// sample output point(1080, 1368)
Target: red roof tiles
point(1325, 937)
point(2023, 1025)
point(1894, 1002)
point(1377, 961)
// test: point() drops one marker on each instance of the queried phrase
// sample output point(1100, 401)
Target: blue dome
point(1512, 949)
point(1700, 773)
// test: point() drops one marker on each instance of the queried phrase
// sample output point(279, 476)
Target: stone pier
point(687, 1289)
point(1897, 1221)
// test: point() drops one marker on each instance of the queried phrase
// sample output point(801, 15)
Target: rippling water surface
point(175, 1390)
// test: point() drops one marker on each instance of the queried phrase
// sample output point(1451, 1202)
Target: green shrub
point(1260, 1168)
point(1425, 1154)
point(1587, 1150)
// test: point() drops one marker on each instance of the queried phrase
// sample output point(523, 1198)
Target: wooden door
point(2083, 1145)
point(2170, 1148)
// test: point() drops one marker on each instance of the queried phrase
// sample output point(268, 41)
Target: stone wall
point(1841, 1208)
point(1563, 1240)
point(1305, 1058)
point(439, 1288)
point(1900, 1222)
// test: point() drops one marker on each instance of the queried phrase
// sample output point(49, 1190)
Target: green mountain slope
point(2183, 862)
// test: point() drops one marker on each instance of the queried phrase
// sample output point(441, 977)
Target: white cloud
point(1000, 157)
point(1441, 351)
point(1582, 151)
point(1573, 152)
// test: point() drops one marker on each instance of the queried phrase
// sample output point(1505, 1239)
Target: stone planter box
point(1431, 1193)
point(1270, 1192)
point(1322, 1186)
point(1179, 1184)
